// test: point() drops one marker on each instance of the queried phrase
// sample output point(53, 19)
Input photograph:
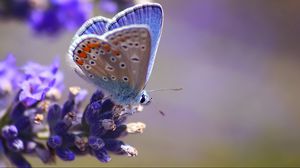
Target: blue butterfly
point(118, 54)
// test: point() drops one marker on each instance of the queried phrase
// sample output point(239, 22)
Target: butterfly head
point(144, 98)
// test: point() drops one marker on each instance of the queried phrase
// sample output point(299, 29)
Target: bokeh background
point(239, 64)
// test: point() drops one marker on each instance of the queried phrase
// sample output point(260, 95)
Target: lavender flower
point(70, 129)
point(15, 8)
point(97, 132)
point(59, 15)
point(39, 81)
point(9, 74)
point(50, 17)
point(20, 125)
point(113, 6)
point(18, 137)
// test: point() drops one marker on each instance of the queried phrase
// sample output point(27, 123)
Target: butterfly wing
point(117, 61)
point(150, 14)
point(96, 25)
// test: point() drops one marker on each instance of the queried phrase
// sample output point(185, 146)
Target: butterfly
point(118, 54)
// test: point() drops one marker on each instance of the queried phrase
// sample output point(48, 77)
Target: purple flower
point(108, 6)
point(60, 120)
point(19, 138)
point(98, 131)
point(15, 8)
point(40, 80)
point(113, 6)
point(61, 14)
point(9, 131)
point(70, 129)
point(9, 75)
point(105, 121)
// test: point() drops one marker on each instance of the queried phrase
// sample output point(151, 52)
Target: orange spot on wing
point(116, 53)
point(79, 62)
point(96, 45)
point(106, 47)
point(87, 49)
point(82, 55)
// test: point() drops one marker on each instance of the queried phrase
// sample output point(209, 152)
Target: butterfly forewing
point(118, 54)
point(119, 58)
point(96, 25)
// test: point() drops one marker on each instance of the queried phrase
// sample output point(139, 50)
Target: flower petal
point(24, 126)
point(65, 154)
point(55, 141)
point(107, 105)
point(68, 107)
point(61, 127)
point(96, 143)
point(54, 115)
point(9, 131)
point(18, 160)
point(44, 154)
point(17, 111)
point(102, 155)
point(15, 145)
point(97, 96)
point(113, 145)
point(117, 133)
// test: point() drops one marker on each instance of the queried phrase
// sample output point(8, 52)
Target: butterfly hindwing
point(145, 14)
point(116, 61)
point(134, 43)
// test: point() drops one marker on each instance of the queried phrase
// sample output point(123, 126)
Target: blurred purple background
point(239, 64)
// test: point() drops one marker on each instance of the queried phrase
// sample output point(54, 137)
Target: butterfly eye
point(145, 100)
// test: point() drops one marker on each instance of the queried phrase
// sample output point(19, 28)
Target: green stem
point(5, 119)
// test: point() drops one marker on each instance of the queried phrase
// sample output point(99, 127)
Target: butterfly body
point(117, 55)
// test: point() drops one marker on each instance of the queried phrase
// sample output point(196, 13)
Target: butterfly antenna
point(160, 111)
point(175, 89)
